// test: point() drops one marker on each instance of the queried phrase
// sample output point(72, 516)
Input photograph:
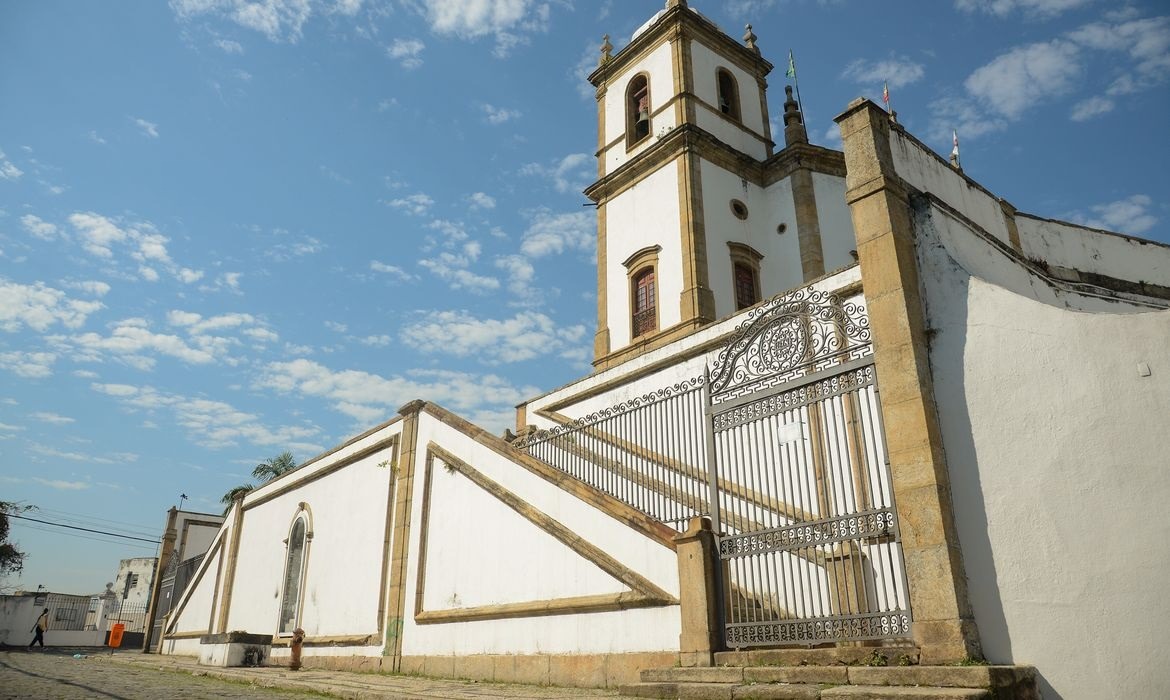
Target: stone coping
point(236, 637)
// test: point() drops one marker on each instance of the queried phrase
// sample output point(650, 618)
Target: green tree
point(11, 558)
point(266, 471)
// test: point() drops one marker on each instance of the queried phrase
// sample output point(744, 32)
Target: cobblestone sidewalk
point(133, 675)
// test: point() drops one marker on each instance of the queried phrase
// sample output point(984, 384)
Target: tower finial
point(606, 47)
point(749, 39)
point(794, 131)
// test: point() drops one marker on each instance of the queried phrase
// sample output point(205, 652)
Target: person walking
point(39, 629)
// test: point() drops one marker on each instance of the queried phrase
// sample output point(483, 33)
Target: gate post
point(943, 622)
point(698, 595)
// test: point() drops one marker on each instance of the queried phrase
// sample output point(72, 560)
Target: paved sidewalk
point(354, 686)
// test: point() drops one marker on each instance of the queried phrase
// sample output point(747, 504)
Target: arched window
point(645, 302)
point(745, 274)
point(728, 93)
point(641, 270)
point(637, 109)
point(294, 570)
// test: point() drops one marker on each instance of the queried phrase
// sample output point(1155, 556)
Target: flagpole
point(796, 83)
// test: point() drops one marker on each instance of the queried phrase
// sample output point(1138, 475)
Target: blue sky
point(230, 228)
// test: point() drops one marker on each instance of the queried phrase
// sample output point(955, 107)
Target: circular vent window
point(739, 209)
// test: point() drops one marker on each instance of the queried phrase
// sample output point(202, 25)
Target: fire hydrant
point(298, 641)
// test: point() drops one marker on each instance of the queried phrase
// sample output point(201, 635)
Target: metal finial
point(606, 47)
point(749, 39)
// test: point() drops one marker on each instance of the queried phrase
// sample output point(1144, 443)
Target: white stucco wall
point(1079, 248)
point(705, 63)
point(193, 607)
point(647, 214)
point(658, 67)
point(142, 569)
point(341, 590)
point(925, 171)
point(1054, 422)
point(836, 224)
point(484, 553)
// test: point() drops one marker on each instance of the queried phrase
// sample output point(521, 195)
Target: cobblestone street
point(54, 673)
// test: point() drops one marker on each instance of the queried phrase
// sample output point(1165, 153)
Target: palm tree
point(266, 471)
point(273, 467)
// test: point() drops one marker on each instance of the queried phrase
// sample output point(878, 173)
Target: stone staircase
point(823, 674)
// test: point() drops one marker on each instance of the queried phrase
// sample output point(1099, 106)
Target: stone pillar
point(944, 626)
point(229, 576)
point(164, 560)
point(698, 594)
point(400, 537)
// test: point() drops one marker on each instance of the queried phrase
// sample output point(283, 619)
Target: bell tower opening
point(637, 109)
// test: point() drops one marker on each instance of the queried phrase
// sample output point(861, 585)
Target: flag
point(955, 150)
point(791, 73)
point(886, 94)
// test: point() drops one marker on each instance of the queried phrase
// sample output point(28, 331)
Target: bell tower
point(680, 98)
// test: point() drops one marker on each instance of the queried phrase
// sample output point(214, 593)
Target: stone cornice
point(674, 23)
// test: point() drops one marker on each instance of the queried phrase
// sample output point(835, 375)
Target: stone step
point(797, 691)
point(830, 656)
point(935, 676)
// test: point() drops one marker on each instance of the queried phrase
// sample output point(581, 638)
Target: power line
point(38, 528)
point(128, 528)
point(86, 529)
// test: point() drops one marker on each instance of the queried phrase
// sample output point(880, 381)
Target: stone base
point(234, 649)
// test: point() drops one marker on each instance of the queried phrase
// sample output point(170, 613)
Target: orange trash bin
point(116, 635)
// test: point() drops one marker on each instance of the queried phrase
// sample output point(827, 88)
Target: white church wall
point(195, 606)
point(196, 538)
point(704, 63)
point(781, 270)
point(341, 590)
point(647, 214)
point(1076, 247)
point(1054, 423)
point(659, 69)
point(924, 170)
point(838, 242)
point(484, 553)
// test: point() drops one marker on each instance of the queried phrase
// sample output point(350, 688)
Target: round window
point(739, 209)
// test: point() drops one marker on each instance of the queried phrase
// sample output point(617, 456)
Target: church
point(854, 421)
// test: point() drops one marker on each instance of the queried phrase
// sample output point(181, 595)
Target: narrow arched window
point(645, 304)
point(637, 109)
point(294, 566)
point(728, 93)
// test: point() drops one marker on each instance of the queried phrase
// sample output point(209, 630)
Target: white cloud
point(261, 335)
point(1129, 215)
point(897, 71)
point(131, 341)
point(407, 52)
point(499, 115)
point(149, 129)
point(1094, 106)
point(8, 171)
point(509, 21)
point(334, 175)
point(1026, 75)
point(586, 64)
point(523, 337)
point(414, 204)
point(213, 424)
point(11, 428)
point(38, 307)
point(479, 200)
point(31, 365)
point(452, 268)
point(552, 234)
point(96, 138)
point(484, 399)
point(53, 418)
point(336, 327)
point(1002, 8)
point(520, 272)
point(98, 289)
point(281, 252)
point(377, 341)
point(39, 227)
point(62, 485)
point(347, 7)
point(395, 272)
point(229, 46)
point(572, 173)
point(84, 374)
point(453, 231)
point(99, 234)
point(1145, 41)
point(279, 20)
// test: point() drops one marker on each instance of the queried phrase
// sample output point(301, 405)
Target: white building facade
point(841, 398)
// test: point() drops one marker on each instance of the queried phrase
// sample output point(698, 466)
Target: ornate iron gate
point(800, 485)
